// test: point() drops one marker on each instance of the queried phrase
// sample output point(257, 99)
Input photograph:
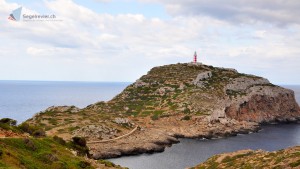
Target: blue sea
point(20, 100)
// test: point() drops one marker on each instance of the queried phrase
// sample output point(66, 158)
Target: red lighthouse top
point(195, 57)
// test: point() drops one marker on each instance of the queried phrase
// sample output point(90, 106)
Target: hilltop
point(178, 100)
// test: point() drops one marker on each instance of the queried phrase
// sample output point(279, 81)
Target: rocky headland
point(187, 100)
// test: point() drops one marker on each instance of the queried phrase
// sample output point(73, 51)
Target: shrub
point(84, 164)
point(8, 121)
point(79, 145)
point(59, 140)
point(107, 163)
point(47, 158)
point(154, 117)
point(295, 164)
point(79, 141)
point(29, 144)
point(39, 133)
point(186, 117)
point(25, 127)
point(187, 111)
point(32, 130)
point(59, 165)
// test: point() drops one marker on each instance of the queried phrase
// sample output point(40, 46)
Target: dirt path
point(117, 138)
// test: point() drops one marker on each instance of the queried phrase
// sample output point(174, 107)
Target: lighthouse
point(195, 57)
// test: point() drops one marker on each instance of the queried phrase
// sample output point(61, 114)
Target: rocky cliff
point(178, 100)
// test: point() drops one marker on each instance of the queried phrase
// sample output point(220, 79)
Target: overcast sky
point(120, 40)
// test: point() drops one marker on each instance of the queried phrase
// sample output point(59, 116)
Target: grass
point(38, 153)
point(109, 164)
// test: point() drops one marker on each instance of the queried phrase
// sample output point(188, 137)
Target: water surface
point(190, 152)
point(20, 100)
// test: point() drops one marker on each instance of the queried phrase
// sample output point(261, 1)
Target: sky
point(120, 40)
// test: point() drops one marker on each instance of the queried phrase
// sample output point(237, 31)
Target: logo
point(15, 15)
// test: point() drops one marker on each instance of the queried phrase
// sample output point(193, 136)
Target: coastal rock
point(267, 104)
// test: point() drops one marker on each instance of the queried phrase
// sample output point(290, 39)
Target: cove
point(190, 152)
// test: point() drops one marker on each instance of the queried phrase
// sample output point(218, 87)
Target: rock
point(121, 120)
point(182, 87)
point(266, 105)
point(202, 76)
point(140, 83)
point(163, 90)
point(243, 83)
point(95, 132)
point(71, 109)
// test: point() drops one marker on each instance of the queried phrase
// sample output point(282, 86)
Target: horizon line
point(101, 81)
point(67, 81)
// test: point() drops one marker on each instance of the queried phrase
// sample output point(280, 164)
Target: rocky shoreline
point(157, 138)
point(159, 145)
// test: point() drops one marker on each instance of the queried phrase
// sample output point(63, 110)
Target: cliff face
point(268, 104)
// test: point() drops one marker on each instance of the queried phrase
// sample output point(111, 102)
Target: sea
point(20, 100)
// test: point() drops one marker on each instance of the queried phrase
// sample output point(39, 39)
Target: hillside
point(19, 149)
point(179, 100)
point(285, 159)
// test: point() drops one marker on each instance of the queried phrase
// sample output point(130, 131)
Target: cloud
point(276, 12)
point(103, 47)
point(103, 1)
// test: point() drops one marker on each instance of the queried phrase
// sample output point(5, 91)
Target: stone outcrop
point(96, 132)
point(243, 83)
point(202, 76)
point(71, 109)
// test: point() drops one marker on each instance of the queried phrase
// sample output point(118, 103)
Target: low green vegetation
point(288, 158)
point(110, 164)
point(46, 153)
